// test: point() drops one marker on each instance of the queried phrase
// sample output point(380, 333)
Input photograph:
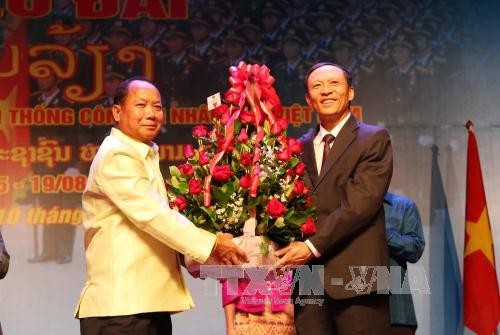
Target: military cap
point(293, 34)
point(373, 16)
point(387, 5)
point(119, 26)
point(402, 41)
point(176, 30)
point(341, 40)
point(216, 6)
point(323, 10)
point(418, 30)
point(201, 18)
point(307, 31)
point(235, 36)
point(271, 8)
point(248, 23)
point(361, 31)
point(115, 71)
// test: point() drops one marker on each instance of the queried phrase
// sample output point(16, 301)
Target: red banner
point(14, 93)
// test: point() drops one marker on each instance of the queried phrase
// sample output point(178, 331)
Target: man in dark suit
point(349, 177)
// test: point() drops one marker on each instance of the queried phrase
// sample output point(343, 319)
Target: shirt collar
point(335, 131)
point(142, 148)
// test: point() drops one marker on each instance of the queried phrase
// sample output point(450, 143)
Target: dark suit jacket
point(348, 195)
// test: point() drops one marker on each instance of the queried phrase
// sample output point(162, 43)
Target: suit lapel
point(345, 137)
point(308, 156)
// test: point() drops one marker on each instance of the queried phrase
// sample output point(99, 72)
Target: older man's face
point(328, 92)
point(140, 116)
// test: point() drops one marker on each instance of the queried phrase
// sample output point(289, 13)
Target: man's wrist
point(313, 249)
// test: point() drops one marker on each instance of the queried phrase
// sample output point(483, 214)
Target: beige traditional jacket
point(132, 237)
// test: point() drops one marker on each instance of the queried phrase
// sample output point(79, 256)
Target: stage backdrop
point(420, 68)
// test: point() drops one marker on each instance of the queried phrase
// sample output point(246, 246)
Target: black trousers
point(135, 324)
point(362, 315)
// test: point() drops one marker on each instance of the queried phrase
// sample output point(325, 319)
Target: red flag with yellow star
point(481, 296)
point(14, 92)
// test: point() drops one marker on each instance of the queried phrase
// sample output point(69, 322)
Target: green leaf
point(264, 187)
point(292, 162)
point(289, 190)
point(174, 171)
point(254, 202)
point(174, 182)
point(261, 229)
point(235, 164)
point(237, 126)
point(298, 218)
point(289, 213)
point(264, 248)
point(210, 212)
point(267, 128)
point(183, 187)
point(223, 194)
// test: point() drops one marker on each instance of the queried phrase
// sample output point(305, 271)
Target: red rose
point(247, 116)
point(232, 96)
point(306, 189)
point(246, 181)
point(243, 136)
point(289, 174)
point(300, 168)
point(279, 126)
point(186, 169)
point(308, 227)
point(246, 159)
point(309, 201)
point(203, 158)
point(221, 110)
point(284, 155)
point(295, 146)
point(222, 172)
point(200, 131)
point(188, 151)
point(299, 187)
point(225, 118)
point(179, 202)
point(194, 186)
point(275, 208)
point(220, 143)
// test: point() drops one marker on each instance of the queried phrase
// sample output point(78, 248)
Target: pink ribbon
point(253, 84)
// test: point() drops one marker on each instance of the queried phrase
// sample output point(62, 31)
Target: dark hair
point(347, 74)
point(122, 89)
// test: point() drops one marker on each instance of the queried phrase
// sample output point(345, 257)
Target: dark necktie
point(328, 139)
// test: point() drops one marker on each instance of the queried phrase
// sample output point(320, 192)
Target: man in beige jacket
point(132, 237)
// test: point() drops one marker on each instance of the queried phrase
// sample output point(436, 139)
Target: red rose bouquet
point(245, 166)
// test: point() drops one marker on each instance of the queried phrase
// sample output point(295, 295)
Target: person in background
point(57, 238)
point(405, 238)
